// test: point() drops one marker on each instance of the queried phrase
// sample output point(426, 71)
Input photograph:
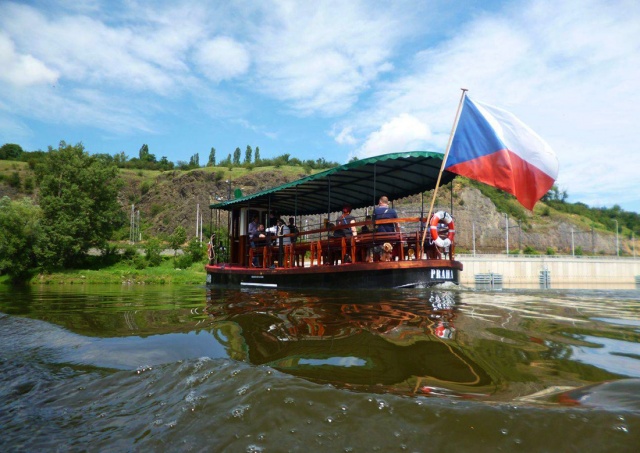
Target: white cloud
point(319, 57)
point(222, 58)
point(567, 70)
point(402, 133)
point(345, 137)
point(22, 70)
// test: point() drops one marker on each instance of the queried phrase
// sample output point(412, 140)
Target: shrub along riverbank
point(123, 273)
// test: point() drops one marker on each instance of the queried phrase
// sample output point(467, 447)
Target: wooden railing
point(323, 248)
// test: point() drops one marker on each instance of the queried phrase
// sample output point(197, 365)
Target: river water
point(178, 368)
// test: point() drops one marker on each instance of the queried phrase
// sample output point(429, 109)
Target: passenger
point(281, 230)
point(273, 219)
point(293, 229)
point(383, 211)
point(365, 228)
point(253, 238)
point(345, 219)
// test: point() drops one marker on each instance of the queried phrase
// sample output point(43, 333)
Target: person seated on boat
point(365, 228)
point(383, 211)
point(253, 238)
point(345, 219)
point(281, 231)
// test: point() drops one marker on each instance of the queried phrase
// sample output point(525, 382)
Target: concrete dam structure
point(564, 271)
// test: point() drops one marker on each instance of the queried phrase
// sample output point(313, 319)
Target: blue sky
point(332, 79)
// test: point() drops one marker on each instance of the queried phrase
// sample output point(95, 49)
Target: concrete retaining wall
point(518, 269)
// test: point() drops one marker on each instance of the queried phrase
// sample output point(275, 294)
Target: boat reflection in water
point(406, 347)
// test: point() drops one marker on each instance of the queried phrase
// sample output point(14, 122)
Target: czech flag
point(492, 146)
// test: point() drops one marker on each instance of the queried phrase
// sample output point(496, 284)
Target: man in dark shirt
point(383, 211)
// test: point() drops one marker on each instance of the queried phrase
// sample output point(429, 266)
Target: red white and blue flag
point(492, 146)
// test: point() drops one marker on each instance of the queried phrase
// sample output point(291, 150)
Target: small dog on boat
point(385, 255)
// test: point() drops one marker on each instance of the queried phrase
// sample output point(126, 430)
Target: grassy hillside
point(170, 198)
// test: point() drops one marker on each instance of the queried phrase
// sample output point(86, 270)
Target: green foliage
point(129, 252)
point(79, 201)
point(14, 180)
point(29, 185)
point(236, 156)
point(176, 239)
point(503, 201)
point(196, 250)
point(20, 239)
point(145, 186)
point(579, 251)
point(152, 250)
point(10, 151)
point(528, 250)
point(183, 262)
point(156, 209)
point(551, 251)
point(603, 216)
point(212, 158)
point(247, 155)
point(194, 161)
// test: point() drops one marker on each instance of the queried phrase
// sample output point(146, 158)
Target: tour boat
point(317, 257)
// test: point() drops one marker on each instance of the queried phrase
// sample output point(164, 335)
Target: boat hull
point(393, 274)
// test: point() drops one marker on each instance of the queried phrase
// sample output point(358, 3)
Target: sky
point(331, 79)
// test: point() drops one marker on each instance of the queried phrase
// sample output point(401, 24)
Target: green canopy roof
point(359, 183)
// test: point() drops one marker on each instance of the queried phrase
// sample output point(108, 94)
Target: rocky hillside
point(172, 198)
point(168, 199)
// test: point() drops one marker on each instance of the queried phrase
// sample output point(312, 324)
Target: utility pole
point(473, 229)
point(506, 229)
point(573, 250)
point(132, 222)
point(197, 219)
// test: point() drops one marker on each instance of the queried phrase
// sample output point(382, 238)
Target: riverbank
point(123, 273)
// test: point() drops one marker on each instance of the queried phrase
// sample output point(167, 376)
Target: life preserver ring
point(442, 217)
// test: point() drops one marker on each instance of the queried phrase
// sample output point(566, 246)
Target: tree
point(20, 238)
point(257, 156)
point(10, 151)
point(236, 156)
point(212, 158)
point(194, 162)
point(120, 159)
point(247, 155)
point(79, 201)
point(176, 240)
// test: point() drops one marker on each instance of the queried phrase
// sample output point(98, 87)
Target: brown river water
point(181, 368)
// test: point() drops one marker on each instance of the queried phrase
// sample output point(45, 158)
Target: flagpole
point(444, 162)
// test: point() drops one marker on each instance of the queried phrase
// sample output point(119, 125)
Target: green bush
point(183, 262)
point(152, 251)
point(129, 252)
point(550, 251)
point(196, 250)
point(528, 250)
point(139, 262)
point(145, 186)
point(29, 185)
point(14, 180)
